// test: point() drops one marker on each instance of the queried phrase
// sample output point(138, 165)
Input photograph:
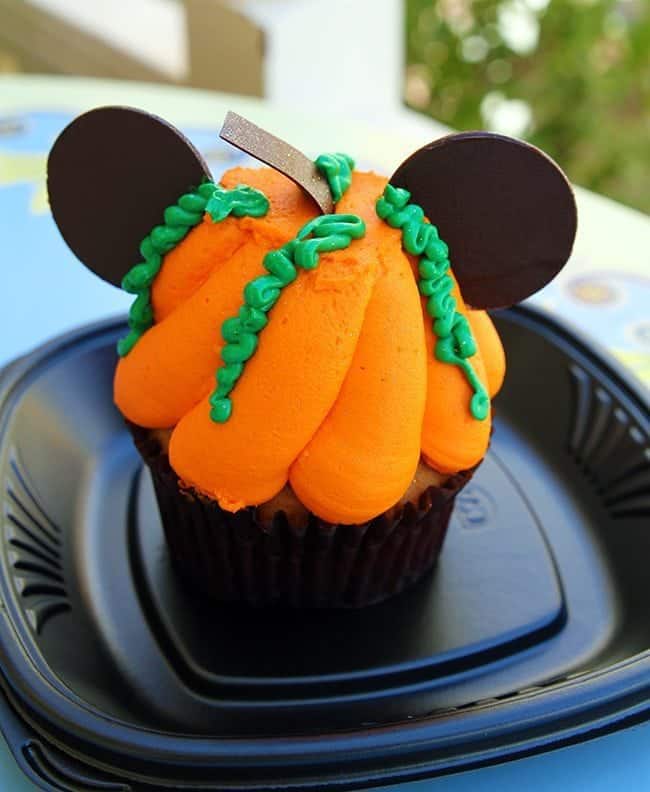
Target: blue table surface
point(620, 760)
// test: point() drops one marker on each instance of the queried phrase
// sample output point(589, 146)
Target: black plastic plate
point(531, 631)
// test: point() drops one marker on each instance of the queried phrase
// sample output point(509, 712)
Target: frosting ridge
point(323, 234)
point(178, 220)
point(455, 343)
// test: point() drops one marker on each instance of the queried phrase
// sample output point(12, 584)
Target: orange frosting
point(372, 433)
point(488, 341)
point(281, 399)
point(200, 285)
point(343, 393)
point(452, 439)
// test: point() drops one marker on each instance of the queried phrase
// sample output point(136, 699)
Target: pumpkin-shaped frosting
point(344, 394)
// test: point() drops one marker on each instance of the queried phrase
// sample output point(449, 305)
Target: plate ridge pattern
point(612, 451)
point(33, 548)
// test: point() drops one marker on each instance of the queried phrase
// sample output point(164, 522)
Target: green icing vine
point(337, 169)
point(179, 220)
point(455, 343)
point(323, 234)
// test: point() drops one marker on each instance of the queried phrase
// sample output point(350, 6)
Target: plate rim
point(598, 701)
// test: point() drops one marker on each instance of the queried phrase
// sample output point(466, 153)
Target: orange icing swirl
point(344, 393)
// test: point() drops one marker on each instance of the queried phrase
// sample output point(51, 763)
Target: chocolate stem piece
point(267, 148)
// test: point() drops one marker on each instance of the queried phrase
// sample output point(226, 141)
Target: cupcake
point(309, 391)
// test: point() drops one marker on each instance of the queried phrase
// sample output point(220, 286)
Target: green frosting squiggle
point(179, 219)
point(455, 343)
point(323, 234)
point(337, 169)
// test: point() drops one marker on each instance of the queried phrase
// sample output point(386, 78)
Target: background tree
point(570, 76)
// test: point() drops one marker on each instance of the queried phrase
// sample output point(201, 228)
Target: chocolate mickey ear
point(110, 175)
point(503, 207)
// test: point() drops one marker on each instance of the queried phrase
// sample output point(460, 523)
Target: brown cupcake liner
point(238, 557)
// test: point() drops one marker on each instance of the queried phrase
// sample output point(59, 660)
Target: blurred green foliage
point(571, 76)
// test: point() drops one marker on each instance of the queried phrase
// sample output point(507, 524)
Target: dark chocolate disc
point(110, 175)
point(503, 207)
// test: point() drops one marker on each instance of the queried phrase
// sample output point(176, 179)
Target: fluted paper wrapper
point(238, 557)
